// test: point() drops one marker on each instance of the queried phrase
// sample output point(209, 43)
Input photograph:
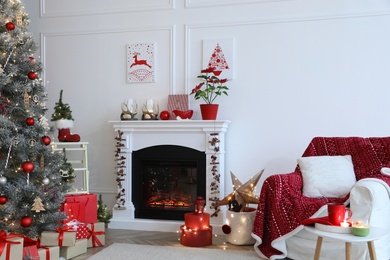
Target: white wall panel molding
point(189, 28)
point(205, 3)
point(169, 41)
point(103, 191)
point(58, 8)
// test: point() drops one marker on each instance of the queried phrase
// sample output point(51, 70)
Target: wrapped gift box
point(72, 251)
point(49, 253)
point(30, 252)
point(63, 238)
point(80, 228)
point(13, 247)
point(82, 207)
point(96, 234)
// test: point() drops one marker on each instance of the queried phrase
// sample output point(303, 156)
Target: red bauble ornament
point(10, 26)
point(32, 75)
point(46, 140)
point(32, 59)
point(26, 221)
point(3, 200)
point(28, 167)
point(164, 115)
point(226, 229)
point(30, 121)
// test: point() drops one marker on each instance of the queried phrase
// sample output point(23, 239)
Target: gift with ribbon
point(80, 228)
point(11, 246)
point(64, 236)
point(82, 207)
point(49, 253)
point(96, 234)
point(30, 248)
point(79, 248)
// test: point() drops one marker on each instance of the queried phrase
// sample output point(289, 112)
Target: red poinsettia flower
point(213, 86)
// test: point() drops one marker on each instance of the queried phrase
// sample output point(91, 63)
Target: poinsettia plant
point(214, 86)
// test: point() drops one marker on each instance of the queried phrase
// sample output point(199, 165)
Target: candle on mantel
point(360, 228)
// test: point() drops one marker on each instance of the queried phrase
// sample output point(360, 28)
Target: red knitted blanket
point(282, 207)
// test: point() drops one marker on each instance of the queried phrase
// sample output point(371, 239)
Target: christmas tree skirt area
point(119, 251)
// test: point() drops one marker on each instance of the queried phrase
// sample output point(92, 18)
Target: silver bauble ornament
point(45, 181)
point(3, 180)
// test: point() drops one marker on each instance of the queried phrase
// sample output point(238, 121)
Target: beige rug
point(118, 251)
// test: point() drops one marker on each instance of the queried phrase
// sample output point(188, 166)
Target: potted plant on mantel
point(214, 87)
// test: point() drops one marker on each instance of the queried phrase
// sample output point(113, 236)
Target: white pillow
point(327, 176)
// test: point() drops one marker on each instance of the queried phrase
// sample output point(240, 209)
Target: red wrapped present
point(96, 234)
point(82, 207)
point(11, 246)
point(80, 228)
point(30, 252)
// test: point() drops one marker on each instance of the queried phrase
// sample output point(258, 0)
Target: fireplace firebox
point(166, 179)
point(194, 134)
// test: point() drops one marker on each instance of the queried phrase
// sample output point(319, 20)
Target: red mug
point(337, 213)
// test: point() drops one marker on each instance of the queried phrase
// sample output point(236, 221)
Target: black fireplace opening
point(166, 179)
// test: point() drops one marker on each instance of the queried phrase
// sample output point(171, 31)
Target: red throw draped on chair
point(282, 206)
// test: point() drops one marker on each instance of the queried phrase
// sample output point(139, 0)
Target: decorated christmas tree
point(31, 186)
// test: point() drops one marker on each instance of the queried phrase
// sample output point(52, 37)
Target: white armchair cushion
point(327, 176)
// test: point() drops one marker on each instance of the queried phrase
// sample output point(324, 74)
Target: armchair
point(282, 206)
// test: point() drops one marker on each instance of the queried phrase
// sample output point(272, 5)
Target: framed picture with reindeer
point(140, 62)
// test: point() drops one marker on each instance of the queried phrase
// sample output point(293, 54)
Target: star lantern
point(242, 193)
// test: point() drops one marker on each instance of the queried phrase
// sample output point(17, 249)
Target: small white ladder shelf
point(76, 154)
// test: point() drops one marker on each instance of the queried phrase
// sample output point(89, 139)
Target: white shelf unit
point(77, 155)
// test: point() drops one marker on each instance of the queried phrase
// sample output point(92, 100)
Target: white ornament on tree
point(46, 181)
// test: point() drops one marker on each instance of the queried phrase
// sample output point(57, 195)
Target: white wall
point(303, 68)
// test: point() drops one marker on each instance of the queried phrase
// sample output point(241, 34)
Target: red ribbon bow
point(62, 231)
point(4, 241)
point(94, 234)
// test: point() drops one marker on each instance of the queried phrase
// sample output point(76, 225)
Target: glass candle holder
point(150, 110)
point(360, 228)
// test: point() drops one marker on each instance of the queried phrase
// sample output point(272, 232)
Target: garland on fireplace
point(214, 185)
point(120, 172)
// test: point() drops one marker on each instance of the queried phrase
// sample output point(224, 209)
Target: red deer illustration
point(139, 62)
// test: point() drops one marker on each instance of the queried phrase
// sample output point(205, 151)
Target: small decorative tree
point(104, 215)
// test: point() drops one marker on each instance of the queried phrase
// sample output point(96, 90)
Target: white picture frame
point(141, 62)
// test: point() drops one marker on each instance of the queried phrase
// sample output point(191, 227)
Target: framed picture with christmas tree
point(218, 54)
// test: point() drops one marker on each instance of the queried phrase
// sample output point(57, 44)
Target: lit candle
point(344, 224)
point(360, 228)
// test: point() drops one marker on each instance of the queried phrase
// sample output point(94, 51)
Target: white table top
point(375, 233)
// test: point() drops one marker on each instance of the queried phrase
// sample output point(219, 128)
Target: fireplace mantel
point(195, 134)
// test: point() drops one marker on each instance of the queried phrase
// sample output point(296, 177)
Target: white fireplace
point(196, 134)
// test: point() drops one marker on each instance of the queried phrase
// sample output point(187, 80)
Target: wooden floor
point(154, 238)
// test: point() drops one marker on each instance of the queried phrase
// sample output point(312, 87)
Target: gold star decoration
point(242, 193)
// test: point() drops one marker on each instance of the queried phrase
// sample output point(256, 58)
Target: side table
point(375, 234)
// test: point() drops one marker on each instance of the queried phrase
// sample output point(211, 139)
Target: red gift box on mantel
point(82, 207)
point(80, 228)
